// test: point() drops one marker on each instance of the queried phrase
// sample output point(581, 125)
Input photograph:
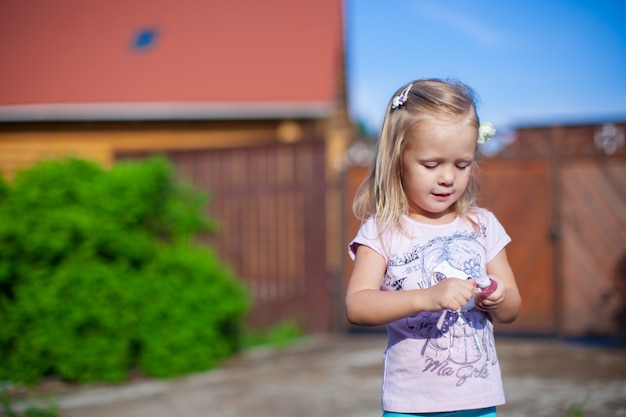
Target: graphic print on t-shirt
point(466, 349)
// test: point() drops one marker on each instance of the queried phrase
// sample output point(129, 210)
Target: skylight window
point(145, 39)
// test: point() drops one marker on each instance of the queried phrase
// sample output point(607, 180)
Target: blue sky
point(531, 62)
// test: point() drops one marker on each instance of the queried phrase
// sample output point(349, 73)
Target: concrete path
point(339, 376)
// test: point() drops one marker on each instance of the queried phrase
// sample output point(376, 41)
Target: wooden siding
point(22, 144)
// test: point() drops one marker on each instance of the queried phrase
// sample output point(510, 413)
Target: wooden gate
point(518, 193)
point(593, 229)
point(563, 201)
point(269, 202)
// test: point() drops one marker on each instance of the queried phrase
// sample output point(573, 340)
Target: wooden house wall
point(22, 144)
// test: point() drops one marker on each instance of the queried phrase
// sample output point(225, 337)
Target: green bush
point(99, 275)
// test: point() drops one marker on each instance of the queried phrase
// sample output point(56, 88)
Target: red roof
point(68, 59)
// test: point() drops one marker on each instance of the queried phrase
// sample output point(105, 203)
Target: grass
point(31, 410)
point(576, 409)
point(280, 336)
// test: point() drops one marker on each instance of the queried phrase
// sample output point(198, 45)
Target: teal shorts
point(482, 412)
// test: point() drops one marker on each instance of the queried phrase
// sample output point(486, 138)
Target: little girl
point(420, 227)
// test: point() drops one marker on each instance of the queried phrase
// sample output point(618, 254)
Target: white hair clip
point(485, 132)
point(400, 99)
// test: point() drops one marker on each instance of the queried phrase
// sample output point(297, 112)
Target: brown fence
point(519, 194)
point(578, 218)
point(270, 204)
point(563, 201)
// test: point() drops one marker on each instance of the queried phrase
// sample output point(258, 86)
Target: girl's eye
point(433, 165)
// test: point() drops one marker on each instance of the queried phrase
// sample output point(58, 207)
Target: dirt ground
point(340, 376)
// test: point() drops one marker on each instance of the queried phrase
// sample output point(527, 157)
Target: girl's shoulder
point(481, 215)
point(366, 235)
point(370, 234)
point(369, 226)
point(486, 223)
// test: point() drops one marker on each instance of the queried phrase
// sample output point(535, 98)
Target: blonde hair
point(381, 194)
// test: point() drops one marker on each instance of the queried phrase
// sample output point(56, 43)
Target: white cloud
point(480, 31)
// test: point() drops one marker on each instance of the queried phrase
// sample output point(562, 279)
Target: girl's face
point(436, 166)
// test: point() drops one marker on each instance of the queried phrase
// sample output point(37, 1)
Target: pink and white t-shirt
point(426, 369)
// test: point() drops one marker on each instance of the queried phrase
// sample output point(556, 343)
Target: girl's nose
point(446, 176)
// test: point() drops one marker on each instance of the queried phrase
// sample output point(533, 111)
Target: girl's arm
point(367, 305)
point(505, 303)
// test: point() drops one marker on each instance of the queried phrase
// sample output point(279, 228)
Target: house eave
point(165, 111)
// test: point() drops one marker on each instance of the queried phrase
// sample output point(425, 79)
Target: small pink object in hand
point(486, 286)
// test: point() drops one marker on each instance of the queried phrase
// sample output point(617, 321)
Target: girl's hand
point(505, 303)
point(493, 300)
point(450, 294)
